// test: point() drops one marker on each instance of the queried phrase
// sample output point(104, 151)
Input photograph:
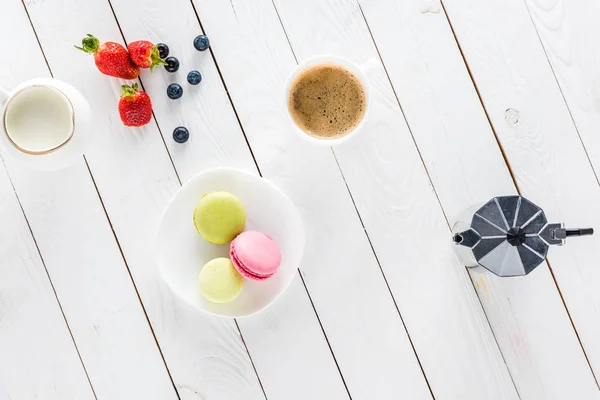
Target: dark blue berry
point(194, 77)
point(174, 91)
point(181, 134)
point(163, 50)
point(172, 64)
point(201, 43)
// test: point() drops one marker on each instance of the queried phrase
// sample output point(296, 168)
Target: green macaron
point(219, 217)
point(219, 281)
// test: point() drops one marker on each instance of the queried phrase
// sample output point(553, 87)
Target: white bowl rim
point(252, 176)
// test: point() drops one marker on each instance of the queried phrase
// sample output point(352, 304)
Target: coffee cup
point(358, 75)
point(44, 123)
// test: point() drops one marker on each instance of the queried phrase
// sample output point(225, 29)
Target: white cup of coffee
point(328, 98)
point(44, 123)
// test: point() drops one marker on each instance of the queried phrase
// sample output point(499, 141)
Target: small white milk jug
point(45, 124)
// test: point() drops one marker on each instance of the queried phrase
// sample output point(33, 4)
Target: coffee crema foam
point(327, 101)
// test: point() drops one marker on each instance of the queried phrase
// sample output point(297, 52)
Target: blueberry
point(174, 91)
point(163, 50)
point(194, 77)
point(172, 64)
point(181, 134)
point(201, 43)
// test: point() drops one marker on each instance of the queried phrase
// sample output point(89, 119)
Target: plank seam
point(250, 357)
point(494, 336)
point(431, 181)
point(364, 229)
point(285, 32)
point(36, 37)
point(29, 225)
point(385, 280)
point(593, 170)
point(212, 55)
point(561, 91)
point(572, 323)
point(368, 239)
point(50, 281)
point(131, 277)
point(109, 222)
point(512, 173)
point(259, 171)
point(139, 79)
point(324, 334)
point(180, 183)
point(487, 115)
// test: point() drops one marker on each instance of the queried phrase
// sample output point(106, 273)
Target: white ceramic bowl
point(182, 252)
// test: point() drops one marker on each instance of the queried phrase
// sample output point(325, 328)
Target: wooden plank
point(458, 147)
point(339, 28)
point(217, 140)
point(92, 282)
point(32, 365)
point(340, 271)
point(568, 30)
point(282, 344)
point(136, 179)
point(537, 133)
point(83, 259)
point(237, 21)
point(207, 112)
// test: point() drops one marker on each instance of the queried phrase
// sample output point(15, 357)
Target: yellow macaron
point(219, 217)
point(219, 281)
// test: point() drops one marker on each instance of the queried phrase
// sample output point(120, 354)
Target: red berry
point(135, 107)
point(111, 58)
point(144, 54)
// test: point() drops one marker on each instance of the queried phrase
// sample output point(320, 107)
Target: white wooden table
point(471, 99)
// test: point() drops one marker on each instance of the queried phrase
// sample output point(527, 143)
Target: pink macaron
point(255, 255)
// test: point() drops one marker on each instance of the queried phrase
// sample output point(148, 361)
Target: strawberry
point(135, 107)
point(111, 58)
point(144, 54)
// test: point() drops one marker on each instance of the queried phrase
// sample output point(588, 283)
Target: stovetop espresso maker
point(509, 236)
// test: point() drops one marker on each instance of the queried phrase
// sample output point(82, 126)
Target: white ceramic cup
point(44, 123)
point(362, 73)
